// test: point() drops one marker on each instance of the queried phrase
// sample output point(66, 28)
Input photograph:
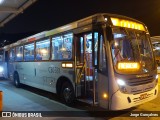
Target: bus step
point(88, 101)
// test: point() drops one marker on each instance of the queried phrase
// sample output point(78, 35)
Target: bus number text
point(54, 70)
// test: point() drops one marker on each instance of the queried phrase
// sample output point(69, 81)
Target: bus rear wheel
point(67, 93)
point(16, 80)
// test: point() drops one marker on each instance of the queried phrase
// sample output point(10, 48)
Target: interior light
point(116, 44)
point(63, 49)
point(157, 48)
point(19, 55)
point(156, 76)
point(43, 51)
point(118, 35)
point(127, 23)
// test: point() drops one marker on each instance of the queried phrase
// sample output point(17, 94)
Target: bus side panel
point(47, 73)
point(26, 72)
point(11, 69)
point(42, 75)
point(103, 89)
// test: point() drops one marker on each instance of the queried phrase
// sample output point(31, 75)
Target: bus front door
point(86, 61)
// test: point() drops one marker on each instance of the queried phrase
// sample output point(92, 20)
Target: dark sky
point(49, 14)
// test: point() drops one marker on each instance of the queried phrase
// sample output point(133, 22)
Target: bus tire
point(67, 93)
point(16, 80)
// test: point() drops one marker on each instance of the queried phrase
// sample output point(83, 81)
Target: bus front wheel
point(16, 80)
point(67, 93)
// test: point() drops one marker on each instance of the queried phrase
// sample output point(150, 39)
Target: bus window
point(95, 47)
point(1, 55)
point(81, 49)
point(102, 56)
point(1, 58)
point(43, 50)
point(29, 52)
point(88, 49)
point(62, 47)
point(19, 53)
point(11, 54)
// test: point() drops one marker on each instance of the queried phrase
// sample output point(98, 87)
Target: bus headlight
point(122, 86)
point(1, 69)
point(121, 82)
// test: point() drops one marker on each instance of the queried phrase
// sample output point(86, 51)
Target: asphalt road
point(31, 100)
point(28, 99)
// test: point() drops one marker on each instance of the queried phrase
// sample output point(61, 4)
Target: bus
point(104, 60)
point(156, 48)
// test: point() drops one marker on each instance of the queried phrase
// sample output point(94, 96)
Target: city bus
point(105, 60)
point(156, 49)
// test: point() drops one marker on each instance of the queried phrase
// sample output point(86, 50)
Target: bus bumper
point(122, 101)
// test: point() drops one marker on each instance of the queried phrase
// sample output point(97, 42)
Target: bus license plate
point(143, 96)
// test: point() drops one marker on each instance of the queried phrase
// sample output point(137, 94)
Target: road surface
point(31, 99)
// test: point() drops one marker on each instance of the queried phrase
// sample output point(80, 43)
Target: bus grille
point(140, 81)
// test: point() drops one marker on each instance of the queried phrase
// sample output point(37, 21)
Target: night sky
point(48, 14)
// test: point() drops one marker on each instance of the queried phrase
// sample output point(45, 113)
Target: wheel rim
point(67, 93)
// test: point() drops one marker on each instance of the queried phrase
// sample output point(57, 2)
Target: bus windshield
point(132, 48)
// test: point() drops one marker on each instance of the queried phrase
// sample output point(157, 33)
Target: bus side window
point(11, 54)
point(95, 48)
point(43, 50)
point(1, 55)
point(68, 40)
point(19, 53)
point(62, 47)
point(56, 45)
point(102, 61)
point(29, 52)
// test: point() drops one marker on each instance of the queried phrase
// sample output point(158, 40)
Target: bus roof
point(99, 17)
